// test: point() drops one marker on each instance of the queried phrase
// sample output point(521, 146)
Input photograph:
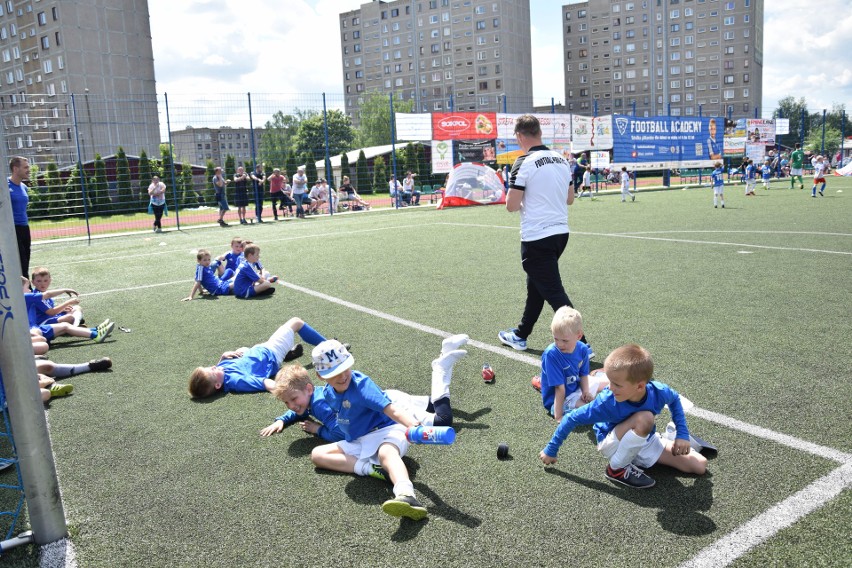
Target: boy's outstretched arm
point(400, 416)
point(196, 288)
point(58, 292)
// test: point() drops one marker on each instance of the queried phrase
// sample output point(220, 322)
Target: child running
point(819, 176)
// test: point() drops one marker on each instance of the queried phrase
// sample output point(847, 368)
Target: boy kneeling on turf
point(623, 419)
point(373, 426)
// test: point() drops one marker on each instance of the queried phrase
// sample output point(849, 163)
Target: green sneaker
point(60, 389)
point(405, 506)
point(103, 331)
point(379, 473)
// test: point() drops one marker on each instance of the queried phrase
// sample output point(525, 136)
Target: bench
point(689, 176)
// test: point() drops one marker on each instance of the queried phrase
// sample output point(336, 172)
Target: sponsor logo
point(454, 124)
point(621, 123)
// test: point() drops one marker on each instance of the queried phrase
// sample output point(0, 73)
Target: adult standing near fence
point(219, 185)
point(539, 190)
point(20, 168)
point(258, 178)
point(276, 193)
point(300, 188)
point(157, 204)
point(241, 180)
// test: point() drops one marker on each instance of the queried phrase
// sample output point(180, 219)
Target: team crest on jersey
point(347, 404)
point(621, 123)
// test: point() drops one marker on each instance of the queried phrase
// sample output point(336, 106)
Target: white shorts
point(796, 171)
point(414, 405)
point(647, 456)
point(718, 189)
point(571, 400)
point(281, 342)
point(367, 446)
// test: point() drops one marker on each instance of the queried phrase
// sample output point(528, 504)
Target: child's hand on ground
point(273, 428)
point(680, 447)
point(186, 299)
point(546, 459)
point(309, 426)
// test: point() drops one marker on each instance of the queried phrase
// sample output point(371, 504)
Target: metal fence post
point(327, 158)
point(172, 160)
point(80, 171)
point(258, 189)
point(393, 150)
point(822, 147)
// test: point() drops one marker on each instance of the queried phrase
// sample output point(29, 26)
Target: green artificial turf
point(744, 309)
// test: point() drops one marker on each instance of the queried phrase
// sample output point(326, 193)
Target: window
point(729, 20)
point(42, 18)
point(48, 66)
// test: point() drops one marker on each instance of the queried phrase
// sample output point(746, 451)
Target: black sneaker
point(630, 476)
point(102, 364)
point(294, 353)
point(405, 506)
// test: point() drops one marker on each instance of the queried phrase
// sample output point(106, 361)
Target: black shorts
point(241, 199)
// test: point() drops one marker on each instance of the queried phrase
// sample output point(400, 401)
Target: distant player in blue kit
point(248, 370)
point(766, 173)
point(623, 419)
point(564, 382)
point(248, 282)
point(374, 427)
point(206, 278)
point(50, 331)
point(232, 259)
point(750, 177)
point(718, 177)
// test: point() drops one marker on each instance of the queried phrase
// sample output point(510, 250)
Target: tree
point(344, 168)
point(98, 188)
point(410, 161)
point(380, 177)
point(52, 186)
point(278, 137)
point(74, 192)
point(311, 135)
point(790, 108)
point(209, 189)
point(814, 141)
point(291, 164)
point(167, 167)
point(145, 174)
point(374, 124)
point(188, 196)
point(230, 170)
point(362, 174)
point(310, 168)
point(125, 192)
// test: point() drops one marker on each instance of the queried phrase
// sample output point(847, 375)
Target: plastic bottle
point(431, 435)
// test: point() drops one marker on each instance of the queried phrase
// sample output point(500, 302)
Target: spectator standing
point(20, 199)
point(300, 190)
point(219, 185)
point(157, 204)
point(241, 180)
point(258, 178)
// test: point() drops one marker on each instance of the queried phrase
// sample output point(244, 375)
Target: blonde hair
point(201, 384)
point(289, 379)
point(40, 271)
point(236, 240)
point(566, 320)
point(201, 254)
point(634, 359)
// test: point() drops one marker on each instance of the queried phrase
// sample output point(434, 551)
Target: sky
point(219, 47)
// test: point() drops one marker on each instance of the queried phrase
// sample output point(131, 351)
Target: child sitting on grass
point(374, 427)
point(206, 278)
point(51, 331)
point(48, 312)
point(249, 370)
point(231, 260)
point(249, 281)
point(564, 382)
point(623, 419)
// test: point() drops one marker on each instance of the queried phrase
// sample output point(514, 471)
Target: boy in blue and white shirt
point(206, 278)
point(750, 177)
point(718, 177)
point(766, 173)
point(623, 419)
point(373, 426)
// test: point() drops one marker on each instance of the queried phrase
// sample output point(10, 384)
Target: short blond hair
point(634, 359)
point(201, 383)
point(289, 379)
point(237, 241)
point(40, 271)
point(199, 256)
point(566, 320)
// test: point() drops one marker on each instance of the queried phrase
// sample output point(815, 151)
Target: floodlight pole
point(26, 410)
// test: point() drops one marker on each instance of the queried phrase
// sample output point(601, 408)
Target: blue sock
point(822, 188)
point(310, 335)
point(93, 332)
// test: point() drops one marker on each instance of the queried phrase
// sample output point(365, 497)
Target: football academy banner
point(464, 125)
point(666, 142)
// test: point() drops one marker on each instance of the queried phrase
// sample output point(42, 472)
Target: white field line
point(669, 240)
point(769, 523)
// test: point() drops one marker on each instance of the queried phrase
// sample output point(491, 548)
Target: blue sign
point(667, 142)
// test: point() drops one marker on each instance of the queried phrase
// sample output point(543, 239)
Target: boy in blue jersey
point(48, 312)
point(374, 427)
point(307, 405)
point(206, 278)
point(623, 419)
point(249, 370)
point(231, 260)
point(50, 331)
point(718, 177)
point(564, 382)
point(750, 176)
point(766, 173)
point(248, 282)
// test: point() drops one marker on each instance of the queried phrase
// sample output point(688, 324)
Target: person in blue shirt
point(50, 331)
point(750, 176)
point(206, 278)
point(20, 199)
point(248, 282)
point(374, 427)
point(233, 258)
point(564, 382)
point(623, 419)
point(766, 173)
point(718, 177)
point(249, 370)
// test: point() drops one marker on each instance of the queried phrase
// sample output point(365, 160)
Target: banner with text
point(442, 156)
point(761, 131)
point(667, 142)
point(464, 126)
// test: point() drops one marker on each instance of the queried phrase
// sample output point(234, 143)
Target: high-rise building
point(100, 52)
point(198, 145)
point(445, 55)
point(661, 57)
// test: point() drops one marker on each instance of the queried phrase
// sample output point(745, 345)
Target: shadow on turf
point(470, 419)
point(679, 506)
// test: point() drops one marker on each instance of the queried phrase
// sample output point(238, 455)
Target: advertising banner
point(442, 156)
point(591, 133)
point(413, 126)
point(667, 142)
point(761, 131)
point(480, 151)
point(464, 125)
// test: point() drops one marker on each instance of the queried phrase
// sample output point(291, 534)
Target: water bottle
point(431, 435)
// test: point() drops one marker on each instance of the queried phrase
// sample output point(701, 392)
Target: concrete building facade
point(678, 57)
point(197, 145)
point(100, 52)
point(445, 55)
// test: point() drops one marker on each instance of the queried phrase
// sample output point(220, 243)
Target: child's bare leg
point(72, 330)
point(261, 286)
point(67, 318)
point(330, 456)
point(392, 462)
point(693, 462)
point(44, 381)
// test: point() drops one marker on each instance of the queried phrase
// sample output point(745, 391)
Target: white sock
point(78, 316)
point(628, 448)
point(403, 488)
point(363, 467)
point(442, 373)
point(453, 342)
point(714, 201)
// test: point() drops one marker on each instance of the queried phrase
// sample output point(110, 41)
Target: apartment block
point(445, 55)
point(197, 145)
point(664, 57)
